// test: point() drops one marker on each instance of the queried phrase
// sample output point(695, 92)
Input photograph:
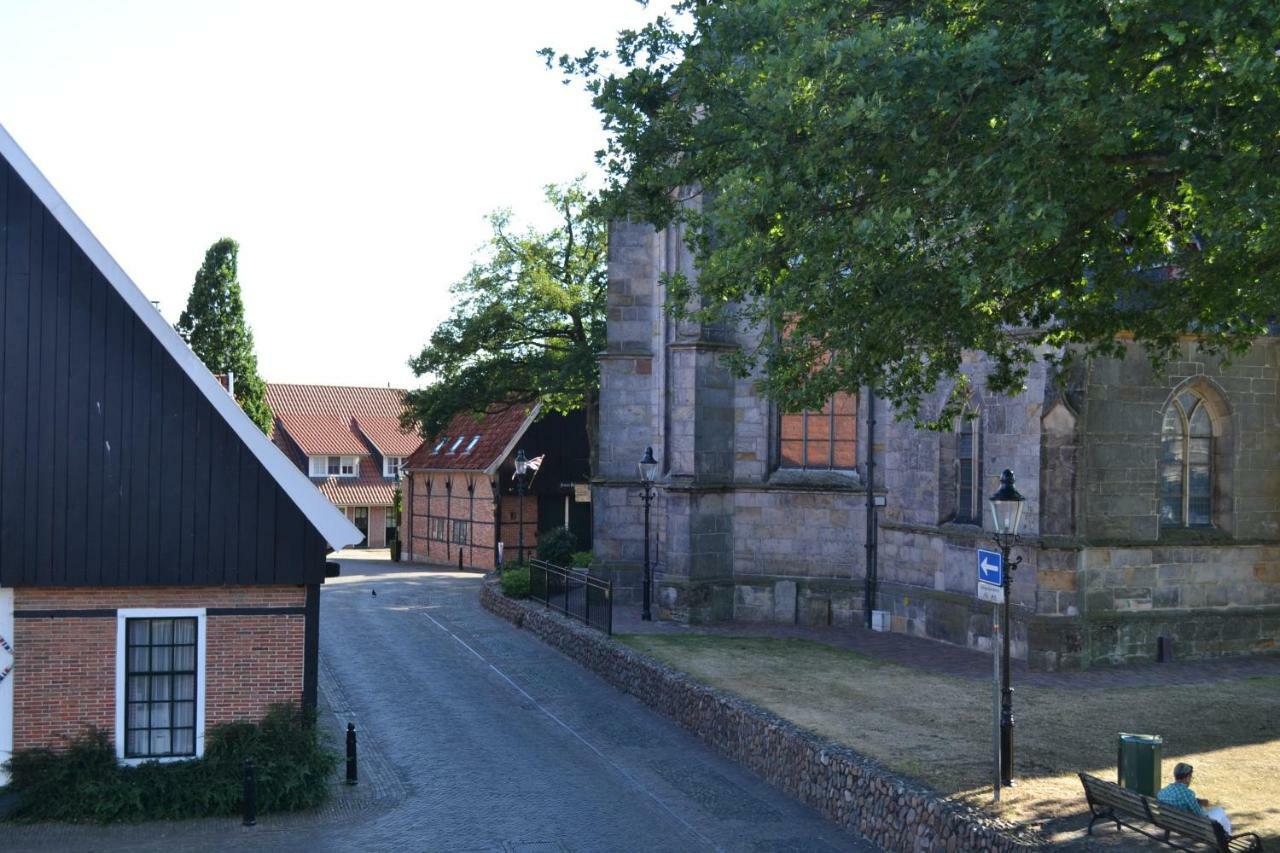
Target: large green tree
point(213, 325)
point(896, 182)
point(527, 322)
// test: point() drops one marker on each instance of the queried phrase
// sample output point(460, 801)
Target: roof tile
point(386, 435)
point(318, 435)
point(495, 430)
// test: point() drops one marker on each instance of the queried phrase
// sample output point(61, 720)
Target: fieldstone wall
point(850, 789)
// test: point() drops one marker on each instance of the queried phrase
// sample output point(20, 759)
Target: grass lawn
point(937, 728)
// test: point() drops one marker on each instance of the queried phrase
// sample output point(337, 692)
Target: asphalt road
point(475, 736)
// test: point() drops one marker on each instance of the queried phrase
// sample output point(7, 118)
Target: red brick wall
point(473, 505)
point(65, 667)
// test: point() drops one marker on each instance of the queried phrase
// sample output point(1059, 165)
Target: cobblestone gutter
point(848, 788)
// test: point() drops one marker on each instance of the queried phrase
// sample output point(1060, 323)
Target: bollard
point(351, 753)
point(250, 795)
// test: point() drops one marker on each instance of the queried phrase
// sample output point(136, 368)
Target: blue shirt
point(1180, 796)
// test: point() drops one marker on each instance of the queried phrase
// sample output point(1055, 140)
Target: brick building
point(162, 560)
point(349, 441)
point(461, 494)
point(1153, 502)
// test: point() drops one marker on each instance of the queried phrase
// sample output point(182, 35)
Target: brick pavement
point(934, 656)
point(475, 736)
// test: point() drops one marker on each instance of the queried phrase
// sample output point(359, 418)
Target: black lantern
point(1006, 514)
point(648, 467)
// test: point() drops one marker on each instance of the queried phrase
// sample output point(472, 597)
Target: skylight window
point(454, 449)
point(442, 443)
point(475, 439)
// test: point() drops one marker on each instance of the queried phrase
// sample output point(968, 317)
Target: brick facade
point(735, 535)
point(65, 663)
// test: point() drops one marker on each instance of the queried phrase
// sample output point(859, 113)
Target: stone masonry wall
point(850, 789)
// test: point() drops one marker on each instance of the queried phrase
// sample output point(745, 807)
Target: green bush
point(85, 783)
point(581, 559)
point(515, 583)
point(556, 546)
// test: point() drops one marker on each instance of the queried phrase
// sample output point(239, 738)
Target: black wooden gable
point(116, 469)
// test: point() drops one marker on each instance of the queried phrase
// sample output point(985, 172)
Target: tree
point(895, 183)
point(213, 325)
point(527, 322)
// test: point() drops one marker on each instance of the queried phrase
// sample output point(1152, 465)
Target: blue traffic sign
point(990, 568)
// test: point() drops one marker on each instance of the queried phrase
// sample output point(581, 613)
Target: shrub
point(85, 782)
point(581, 559)
point(515, 583)
point(557, 546)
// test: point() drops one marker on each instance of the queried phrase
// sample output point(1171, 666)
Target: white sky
point(352, 149)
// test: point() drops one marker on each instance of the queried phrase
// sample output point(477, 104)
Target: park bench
point(1109, 801)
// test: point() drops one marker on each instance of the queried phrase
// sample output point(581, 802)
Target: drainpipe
point(869, 585)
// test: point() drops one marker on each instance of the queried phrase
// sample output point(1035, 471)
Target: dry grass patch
point(937, 728)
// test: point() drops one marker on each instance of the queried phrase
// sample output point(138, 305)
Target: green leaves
point(899, 183)
point(527, 322)
point(213, 325)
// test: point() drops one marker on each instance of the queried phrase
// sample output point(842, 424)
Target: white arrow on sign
point(990, 568)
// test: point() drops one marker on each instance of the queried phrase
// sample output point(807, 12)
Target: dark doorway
point(360, 518)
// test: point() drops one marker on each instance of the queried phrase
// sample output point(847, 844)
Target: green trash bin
point(1138, 762)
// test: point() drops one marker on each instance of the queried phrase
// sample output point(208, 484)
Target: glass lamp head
point(1006, 506)
point(648, 466)
point(522, 464)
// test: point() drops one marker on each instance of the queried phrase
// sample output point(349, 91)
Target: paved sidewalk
point(934, 656)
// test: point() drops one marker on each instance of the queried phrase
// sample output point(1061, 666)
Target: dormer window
point(475, 439)
point(456, 444)
point(441, 444)
point(391, 465)
point(334, 466)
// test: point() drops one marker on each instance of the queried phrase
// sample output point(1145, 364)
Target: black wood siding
point(115, 470)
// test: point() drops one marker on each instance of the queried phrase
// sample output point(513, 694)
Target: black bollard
point(351, 754)
point(250, 795)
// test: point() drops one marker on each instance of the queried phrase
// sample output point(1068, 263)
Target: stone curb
point(854, 791)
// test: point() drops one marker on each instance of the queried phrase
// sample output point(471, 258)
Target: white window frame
point(318, 466)
point(122, 617)
point(456, 444)
point(386, 468)
point(475, 439)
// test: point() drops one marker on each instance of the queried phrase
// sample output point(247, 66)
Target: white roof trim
point(515, 439)
point(331, 524)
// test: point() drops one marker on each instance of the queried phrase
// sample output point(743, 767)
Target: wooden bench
point(1109, 801)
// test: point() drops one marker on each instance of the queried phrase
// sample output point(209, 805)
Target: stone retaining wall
point(848, 788)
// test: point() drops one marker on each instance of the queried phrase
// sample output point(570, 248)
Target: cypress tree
point(213, 325)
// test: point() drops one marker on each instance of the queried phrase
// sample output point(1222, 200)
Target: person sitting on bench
point(1179, 795)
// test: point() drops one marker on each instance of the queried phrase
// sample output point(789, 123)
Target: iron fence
point(574, 593)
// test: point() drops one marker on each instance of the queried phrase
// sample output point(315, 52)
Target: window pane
point(791, 454)
point(160, 715)
point(1187, 401)
point(819, 449)
point(845, 404)
point(161, 685)
point(161, 659)
point(161, 632)
point(335, 465)
point(793, 427)
point(1200, 423)
point(140, 659)
point(184, 714)
point(137, 691)
point(846, 454)
point(184, 631)
point(1171, 494)
point(136, 716)
point(1199, 451)
point(184, 687)
point(139, 632)
point(184, 742)
point(184, 659)
point(160, 742)
point(1199, 503)
point(135, 743)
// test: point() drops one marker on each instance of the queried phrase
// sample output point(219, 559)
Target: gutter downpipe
point(872, 535)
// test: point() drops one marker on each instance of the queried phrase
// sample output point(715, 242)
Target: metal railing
point(574, 593)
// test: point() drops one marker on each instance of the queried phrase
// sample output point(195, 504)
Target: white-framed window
point(471, 445)
point(391, 465)
point(441, 443)
point(456, 444)
point(334, 466)
point(160, 684)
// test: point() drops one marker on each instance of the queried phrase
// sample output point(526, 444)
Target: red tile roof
point(496, 430)
point(320, 435)
point(386, 435)
point(345, 400)
point(353, 491)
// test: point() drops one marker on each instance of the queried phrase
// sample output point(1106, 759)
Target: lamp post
point(1006, 513)
point(648, 471)
point(522, 470)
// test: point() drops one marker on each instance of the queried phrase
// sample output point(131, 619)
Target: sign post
point(991, 588)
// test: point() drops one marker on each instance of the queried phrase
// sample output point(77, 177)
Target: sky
point(353, 150)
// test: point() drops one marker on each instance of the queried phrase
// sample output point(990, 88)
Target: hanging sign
point(990, 576)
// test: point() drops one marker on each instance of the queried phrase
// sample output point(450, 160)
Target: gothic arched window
point(968, 480)
point(1186, 463)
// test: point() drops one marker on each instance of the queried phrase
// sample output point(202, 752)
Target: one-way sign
point(990, 576)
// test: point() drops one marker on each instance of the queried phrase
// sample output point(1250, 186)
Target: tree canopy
point(895, 183)
point(213, 325)
point(527, 322)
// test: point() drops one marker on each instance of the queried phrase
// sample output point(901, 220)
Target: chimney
point(231, 383)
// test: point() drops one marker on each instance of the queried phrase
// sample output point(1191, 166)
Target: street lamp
point(522, 471)
point(648, 471)
point(1006, 513)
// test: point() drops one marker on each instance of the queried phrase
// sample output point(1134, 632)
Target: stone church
point(1152, 501)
